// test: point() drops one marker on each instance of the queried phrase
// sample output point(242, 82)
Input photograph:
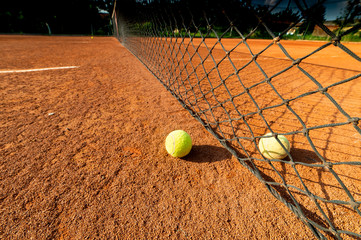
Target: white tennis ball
point(178, 143)
point(272, 149)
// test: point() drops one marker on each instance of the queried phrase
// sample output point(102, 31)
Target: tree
point(351, 14)
point(313, 14)
point(62, 17)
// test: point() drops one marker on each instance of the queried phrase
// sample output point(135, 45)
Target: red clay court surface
point(82, 152)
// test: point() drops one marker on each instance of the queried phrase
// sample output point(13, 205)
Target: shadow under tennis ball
point(304, 156)
point(207, 153)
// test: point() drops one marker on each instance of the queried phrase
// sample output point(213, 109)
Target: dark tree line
point(85, 17)
point(56, 17)
point(245, 15)
point(351, 14)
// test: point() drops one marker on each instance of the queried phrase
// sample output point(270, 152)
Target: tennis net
point(236, 67)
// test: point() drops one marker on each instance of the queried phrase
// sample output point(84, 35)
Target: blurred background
point(88, 17)
point(93, 17)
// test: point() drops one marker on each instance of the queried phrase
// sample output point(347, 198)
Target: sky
point(334, 8)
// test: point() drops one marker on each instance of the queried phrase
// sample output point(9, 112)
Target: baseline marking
point(36, 69)
point(242, 59)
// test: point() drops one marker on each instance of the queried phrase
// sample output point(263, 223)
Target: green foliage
point(315, 14)
point(355, 37)
point(226, 19)
point(351, 13)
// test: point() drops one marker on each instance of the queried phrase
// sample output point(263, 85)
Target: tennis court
point(225, 88)
point(82, 154)
point(83, 124)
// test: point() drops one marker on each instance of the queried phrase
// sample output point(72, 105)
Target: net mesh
point(230, 65)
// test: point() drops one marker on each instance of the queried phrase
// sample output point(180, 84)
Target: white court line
point(238, 59)
point(233, 59)
point(36, 69)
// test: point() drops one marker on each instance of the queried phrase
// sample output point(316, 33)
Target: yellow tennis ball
point(272, 149)
point(178, 143)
